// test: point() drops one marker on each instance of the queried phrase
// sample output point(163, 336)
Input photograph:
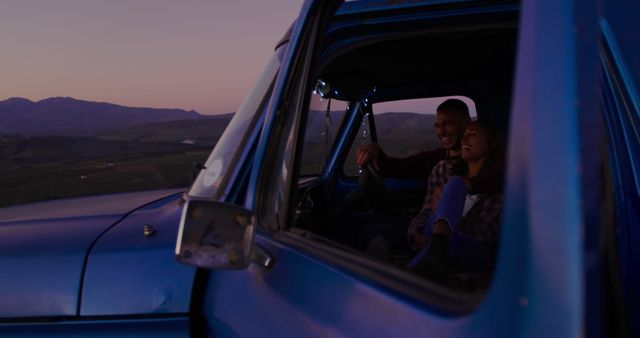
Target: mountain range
point(66, 116)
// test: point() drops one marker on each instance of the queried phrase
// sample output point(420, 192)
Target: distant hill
point(204, 131)
point(402, 134)
point(67, 116)
point(394, 129)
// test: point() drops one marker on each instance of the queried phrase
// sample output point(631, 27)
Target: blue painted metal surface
point(540, 249)
point(177, 327)
point(314, 299)
point(43, 248)
point(130, 273)
point(352, 7)
point(112, 204)
point(43, 260)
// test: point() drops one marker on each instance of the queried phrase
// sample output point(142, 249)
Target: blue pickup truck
point(242, 253)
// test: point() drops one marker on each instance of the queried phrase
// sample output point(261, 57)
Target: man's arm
point(416, 166)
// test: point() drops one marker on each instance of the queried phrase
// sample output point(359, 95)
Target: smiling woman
point(462, 218)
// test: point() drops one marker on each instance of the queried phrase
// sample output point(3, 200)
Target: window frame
point(393, 280)
point(335, 139)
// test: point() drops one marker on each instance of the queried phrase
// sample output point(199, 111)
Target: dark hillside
point(50, 149)
point(70, 117)
point(206, 130)
point(402, 134)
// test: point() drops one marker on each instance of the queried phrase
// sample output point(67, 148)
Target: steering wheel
point(369, 194)
point(371, 181)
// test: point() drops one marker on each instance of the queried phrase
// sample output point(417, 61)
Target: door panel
point(303, 297)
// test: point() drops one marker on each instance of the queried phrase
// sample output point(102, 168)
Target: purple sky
point(192, 54)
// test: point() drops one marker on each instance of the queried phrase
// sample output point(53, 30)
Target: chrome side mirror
point(215, 235)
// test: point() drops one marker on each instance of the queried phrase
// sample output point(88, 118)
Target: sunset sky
point(193, 54)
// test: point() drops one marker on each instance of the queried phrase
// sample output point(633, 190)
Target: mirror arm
point(261, 257)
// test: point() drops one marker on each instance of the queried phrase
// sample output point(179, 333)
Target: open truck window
point(375, 68)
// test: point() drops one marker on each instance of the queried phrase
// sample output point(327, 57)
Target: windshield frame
point(215, 180)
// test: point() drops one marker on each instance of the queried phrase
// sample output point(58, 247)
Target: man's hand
point(368, 154)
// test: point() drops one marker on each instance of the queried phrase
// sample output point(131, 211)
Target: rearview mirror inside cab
point(215, 235)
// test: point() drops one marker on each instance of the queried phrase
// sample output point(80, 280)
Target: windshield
point(226, 158)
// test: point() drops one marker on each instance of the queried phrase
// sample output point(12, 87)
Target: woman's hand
point(421, 239)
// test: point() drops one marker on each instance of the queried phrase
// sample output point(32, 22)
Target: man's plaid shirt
point(481, 223)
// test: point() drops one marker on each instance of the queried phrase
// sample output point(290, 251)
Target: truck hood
point(132, 269)
point(43, 249)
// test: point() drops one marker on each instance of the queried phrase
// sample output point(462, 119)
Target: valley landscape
point(64, 147)
point(84, 152)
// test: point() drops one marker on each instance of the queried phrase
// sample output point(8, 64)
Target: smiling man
point(452, 116)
